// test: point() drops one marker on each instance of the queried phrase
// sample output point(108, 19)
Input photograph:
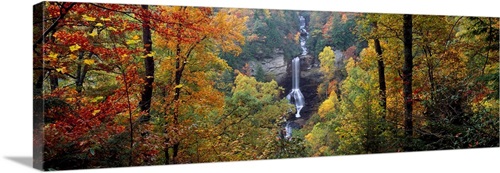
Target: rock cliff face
point(274, 65)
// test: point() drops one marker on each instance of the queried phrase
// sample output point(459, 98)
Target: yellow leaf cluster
point(327, 60)
point(296, 38)
point(105, 19)
point(97, 99)
point(151, 54)
point(88, 18)
point(93, 33)
point(179, 86)
point(111, 28)
point(95, 112)
point(88, 61)
point(328, 105)
point(131, 42)
point(122, 57)
point(62, 70)
point(74, 48)
point(51, 57)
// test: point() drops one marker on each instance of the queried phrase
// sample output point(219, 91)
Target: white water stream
point(295, 96)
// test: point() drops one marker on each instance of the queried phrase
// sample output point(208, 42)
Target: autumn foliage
point(454, 100)
point(129, 85)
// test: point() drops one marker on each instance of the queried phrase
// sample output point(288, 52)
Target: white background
point(16, 92)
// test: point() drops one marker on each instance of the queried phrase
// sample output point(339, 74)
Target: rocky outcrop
point(274, 66)
point(339, 58)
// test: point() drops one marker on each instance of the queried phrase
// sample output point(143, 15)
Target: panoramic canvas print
point(117, 85)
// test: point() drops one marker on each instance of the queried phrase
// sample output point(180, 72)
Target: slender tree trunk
point(430, 73)
point(431, 108)
point(81, 72)
point(147, 93)
point(179, 66)
point(407, 77)
point(54, 80)
point(175, 152)
point(131, 124)
point(381, 76)
point(167, 155)
point(180, 62)
point(370, 145)
point(381, 72)
point(490, 39)
point(38, 85)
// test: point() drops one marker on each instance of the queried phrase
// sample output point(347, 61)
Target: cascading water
point(288, 130)
point(295, 95)
point(303, 35)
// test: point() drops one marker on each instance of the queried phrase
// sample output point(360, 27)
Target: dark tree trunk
point(180, 62)
point(131, 132)
point(175, 152)
point(167, 156)
point(81, 72)
point(147, 93)
point(490, 38)
point(38, 85)
point(54, 81)
point(407, 76)
point(179, 66)
point(38, 76)
point(381, 76)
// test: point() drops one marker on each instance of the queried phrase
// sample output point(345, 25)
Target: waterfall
point(303, 34)
point(288, 131)
point(295, 96)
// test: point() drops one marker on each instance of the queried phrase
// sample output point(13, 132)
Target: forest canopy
point(127, 85)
